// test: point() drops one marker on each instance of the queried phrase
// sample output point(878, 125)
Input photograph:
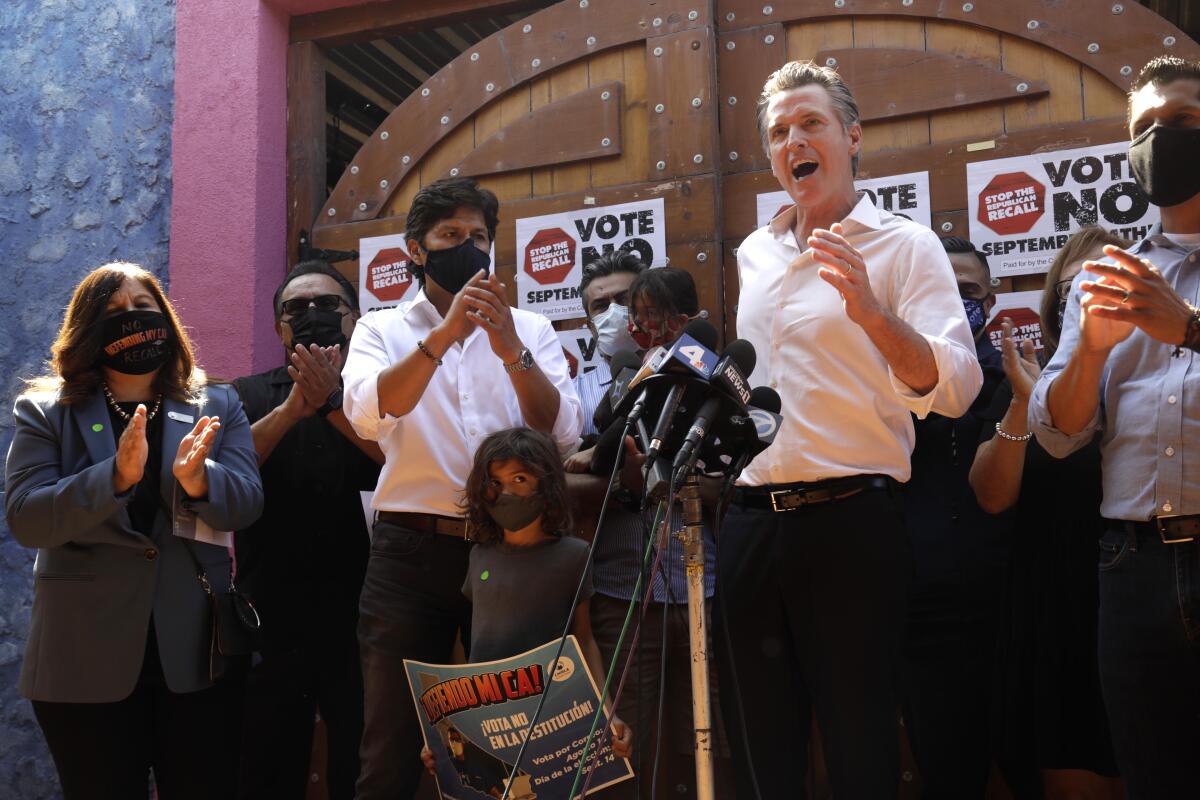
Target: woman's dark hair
point(539, 455)
point(1082, 242)
point(669, 289)
point(441, 199)
point(75, 372)
point(316, 267)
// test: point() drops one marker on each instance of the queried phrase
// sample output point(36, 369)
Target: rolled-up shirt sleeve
point(1052, 440)
point(925, 296)
point(367, 357)
point(548, 354)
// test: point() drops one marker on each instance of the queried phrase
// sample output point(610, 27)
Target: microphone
point(729, 380)
point(765, 405)
point(623, 365)
point(688, 353)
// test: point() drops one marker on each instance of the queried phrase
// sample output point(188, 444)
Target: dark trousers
point(412, 606)
point(1149, 651)
point(283, 692)
point(814, 603)
point(947, 679)
point(105, 751)
point(638, 705)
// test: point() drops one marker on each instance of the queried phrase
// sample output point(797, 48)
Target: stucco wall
point(86, 105)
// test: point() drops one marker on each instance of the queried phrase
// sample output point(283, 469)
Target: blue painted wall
point(86, 102)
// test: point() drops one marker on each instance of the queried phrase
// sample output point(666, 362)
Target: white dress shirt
point(844, 411)
point(428, 452)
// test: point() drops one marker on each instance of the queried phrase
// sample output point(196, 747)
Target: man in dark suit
point(302, 563)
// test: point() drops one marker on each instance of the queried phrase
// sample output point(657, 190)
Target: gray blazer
point(97, 580)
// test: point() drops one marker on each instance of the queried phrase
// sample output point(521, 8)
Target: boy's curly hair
point(540, 456)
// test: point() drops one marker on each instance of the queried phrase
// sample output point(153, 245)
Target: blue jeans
point(412, 606)
point(1149, 651)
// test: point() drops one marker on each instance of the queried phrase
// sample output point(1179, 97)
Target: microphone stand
point(693, 559)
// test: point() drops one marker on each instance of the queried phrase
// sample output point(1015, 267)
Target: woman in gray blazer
point(122, 459)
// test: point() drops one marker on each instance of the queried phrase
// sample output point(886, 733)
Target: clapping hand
point(1021, 367)
point(317, 373)
point(1131, 293)
point(489, 309)
point(189, 466)
point(132, 451)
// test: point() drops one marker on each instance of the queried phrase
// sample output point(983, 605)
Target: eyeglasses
point(324, 302)
point(1063, 288)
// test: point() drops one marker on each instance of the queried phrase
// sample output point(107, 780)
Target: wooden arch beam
point(534, 46)
point(1113, 37)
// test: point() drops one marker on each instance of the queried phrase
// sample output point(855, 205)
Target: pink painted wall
point(229, 172)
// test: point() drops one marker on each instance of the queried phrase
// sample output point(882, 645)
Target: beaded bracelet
point(1003, 434)
point(427, 353)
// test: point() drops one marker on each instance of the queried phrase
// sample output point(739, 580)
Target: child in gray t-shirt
point(524, 567)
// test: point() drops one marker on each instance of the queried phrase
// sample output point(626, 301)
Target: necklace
point(125, 417)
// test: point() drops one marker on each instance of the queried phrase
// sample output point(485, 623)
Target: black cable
point(616, 471)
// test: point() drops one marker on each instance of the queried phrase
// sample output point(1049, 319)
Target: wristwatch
point(332, 403)
point(523, 362)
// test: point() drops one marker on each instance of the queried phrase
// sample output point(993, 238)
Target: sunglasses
point(324, 302)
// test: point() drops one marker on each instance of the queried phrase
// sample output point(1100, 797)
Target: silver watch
point(523, 362)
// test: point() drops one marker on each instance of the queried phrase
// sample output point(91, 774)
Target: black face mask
point(136, 342)
point(453, 267)
point(313, 326)
point(1165, 164)
point(515, 512)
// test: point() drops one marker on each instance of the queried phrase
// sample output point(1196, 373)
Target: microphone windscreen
point(703, 332)
point(624, 359)
point(766, 398)
point(742, 353)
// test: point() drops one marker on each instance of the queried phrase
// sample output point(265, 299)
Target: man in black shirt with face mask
point(959, 556)
point(302, 562)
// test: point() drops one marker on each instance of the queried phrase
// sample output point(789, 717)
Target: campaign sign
point(904, 195)
point(552, 249)
point(1022, 309)
point(579, 347)
point(475, 716)
point(385, 275)
point(1023, 209)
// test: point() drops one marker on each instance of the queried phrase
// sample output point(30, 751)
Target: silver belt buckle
point(775, 496)
point(1162, 531)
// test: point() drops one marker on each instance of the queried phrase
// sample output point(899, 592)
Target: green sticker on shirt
point(483, 576)
point(97, 427)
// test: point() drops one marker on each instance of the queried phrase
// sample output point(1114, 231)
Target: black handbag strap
point(201, 575)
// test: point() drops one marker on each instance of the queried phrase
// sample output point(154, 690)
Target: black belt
point(790, 496)
point(1172, 530)
point(426, 523)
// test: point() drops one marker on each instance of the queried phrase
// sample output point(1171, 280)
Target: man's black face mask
point(453, 267)
point(313, 326)
point(1165, 164)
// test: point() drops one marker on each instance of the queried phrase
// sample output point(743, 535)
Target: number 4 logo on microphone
point(694, 354)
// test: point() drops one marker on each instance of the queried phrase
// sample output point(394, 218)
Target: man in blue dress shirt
point(1127, 367)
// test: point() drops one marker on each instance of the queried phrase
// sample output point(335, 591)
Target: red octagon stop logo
point(1012, 203)
point(388, 275)
point(549, 256)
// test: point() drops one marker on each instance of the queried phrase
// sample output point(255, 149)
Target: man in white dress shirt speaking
point(856, 318)
point(428, 380)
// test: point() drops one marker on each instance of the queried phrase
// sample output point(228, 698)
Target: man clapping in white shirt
point(428, 380)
